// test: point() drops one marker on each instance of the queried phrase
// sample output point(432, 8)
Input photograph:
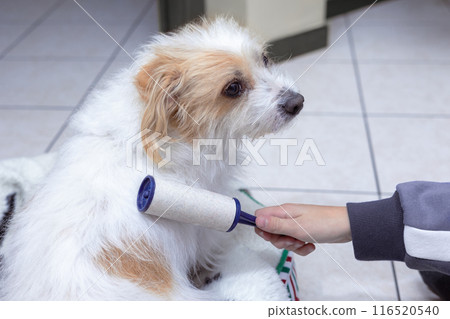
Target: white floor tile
point(87, 41)
point(410, 149)
point(411, 284)
point(326, 87)
point(332, 272)
point(115, 67)
point(337, 50)
point(276, 197)
point(27, 133)
point(404, 12)
point(23, 11)
point(143, 33)
point(61, 140)
point(104, 11)
point(9, 33)
point(400, 88)
point(45, 82)
point(342, 144)
point(404, 43)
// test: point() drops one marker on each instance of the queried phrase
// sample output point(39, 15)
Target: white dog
point(81, 235)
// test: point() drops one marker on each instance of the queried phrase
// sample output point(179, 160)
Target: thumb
point(275, 225)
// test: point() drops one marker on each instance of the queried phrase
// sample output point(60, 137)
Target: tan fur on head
point(141, 264)
point(157, 84)
point(184, 90)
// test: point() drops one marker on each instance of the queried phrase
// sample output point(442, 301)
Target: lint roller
point(178, 202)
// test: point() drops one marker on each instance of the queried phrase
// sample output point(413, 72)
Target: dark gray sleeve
point(412, 226)
point(377, 229)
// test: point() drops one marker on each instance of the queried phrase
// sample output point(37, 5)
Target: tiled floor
point(52, 55)
point(376, 109)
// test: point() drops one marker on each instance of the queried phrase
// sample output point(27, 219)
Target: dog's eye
point(234, 89)
point(265, 60)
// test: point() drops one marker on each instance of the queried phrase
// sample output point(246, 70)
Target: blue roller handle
point(242, 217)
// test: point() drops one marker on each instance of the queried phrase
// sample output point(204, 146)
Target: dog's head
point(213, 80)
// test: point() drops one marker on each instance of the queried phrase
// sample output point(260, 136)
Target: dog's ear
point(157, 83)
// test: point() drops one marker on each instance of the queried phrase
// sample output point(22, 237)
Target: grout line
point(397, 288)
point(101, 73)
point(331, 114)
point(363, 108)
point(30, 58)
point(57, 23)
point(367, 129)
point(36, 107)
point(31, 28)
point(312, 190)
point(403, 62)
point(409, 115)
point(379, 115)
point(404, 24)
point(369, 61)
point(328, 61)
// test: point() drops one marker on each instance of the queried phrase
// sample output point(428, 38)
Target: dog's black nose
point(293, 102)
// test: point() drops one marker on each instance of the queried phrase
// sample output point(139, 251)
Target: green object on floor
point(286, 267)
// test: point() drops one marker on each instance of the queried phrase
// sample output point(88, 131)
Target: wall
point(271, 19)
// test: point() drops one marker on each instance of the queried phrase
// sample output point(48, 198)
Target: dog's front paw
point(201, 277)
point(210, 280)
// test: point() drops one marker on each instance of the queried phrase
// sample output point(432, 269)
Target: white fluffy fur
point(88, 199)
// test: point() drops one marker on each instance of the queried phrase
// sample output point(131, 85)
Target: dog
point(80, 236)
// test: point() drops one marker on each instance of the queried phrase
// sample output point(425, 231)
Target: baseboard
point(288, 47)
point(336, 7)
point(175, 13)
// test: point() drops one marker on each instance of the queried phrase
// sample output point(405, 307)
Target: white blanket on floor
point(21, 176)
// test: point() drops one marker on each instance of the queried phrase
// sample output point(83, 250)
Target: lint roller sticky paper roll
point(185, 204)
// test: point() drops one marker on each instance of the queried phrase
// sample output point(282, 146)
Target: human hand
point(296, 226)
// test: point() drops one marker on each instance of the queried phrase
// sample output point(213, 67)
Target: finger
point(279, 241)
point(277, 225)
point(298, 244)
point(276, 211)
point(285, 242)
point(281, 244)
point(261, 233)
point(305, 250)
point(266, 236)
